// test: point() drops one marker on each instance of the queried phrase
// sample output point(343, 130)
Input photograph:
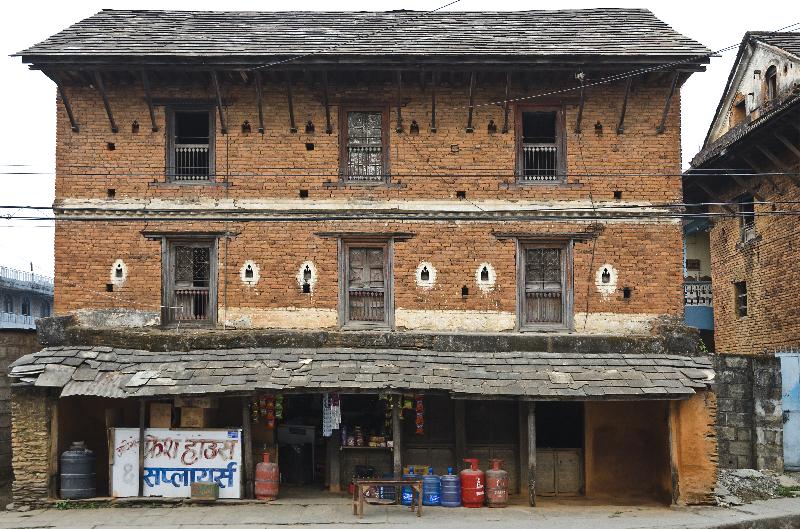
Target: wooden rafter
point(747, 186)
point(434, 83)
point(292, 124)
point(710, 193)
point(663, 125)
point(398, 94)
point(506, 103)
point(67, 106)
point(148, 97)
point(259, 98)
point(621, 124)
point(98, 79)
point(774, 159)
point(222, 121)
point(470, 128)
point(788, 144)
point(326, 102)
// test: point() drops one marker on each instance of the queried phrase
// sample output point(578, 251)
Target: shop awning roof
point(128, 373)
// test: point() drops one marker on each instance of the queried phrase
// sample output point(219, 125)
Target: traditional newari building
point(748, 170)
point(363, 242)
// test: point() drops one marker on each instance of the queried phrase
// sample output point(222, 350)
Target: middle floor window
point(544, 293)
point(190, 292)
point(367, 282)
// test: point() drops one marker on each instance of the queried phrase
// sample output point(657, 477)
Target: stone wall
point(30, 409)
point(13, 344)
point(749, 414)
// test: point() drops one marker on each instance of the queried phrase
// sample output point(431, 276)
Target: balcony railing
point(365, 163)
point(540, 161)
point(17, 321)
point(542, 307)
point(190, 304)
point(366, 305)
point(21, 280)
point(191, 162)
point(697, 293)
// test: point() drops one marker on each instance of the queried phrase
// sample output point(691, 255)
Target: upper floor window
point(738, 112)
point(740, 290)
point(44, 309)
point(190, 273)
point(8, 304)
point(540, 145)
point(747, 217)
point(365, 149)
point(772, 82)
point(544, 291)
point(25, 310)
point(190, 145)
point(367, 285)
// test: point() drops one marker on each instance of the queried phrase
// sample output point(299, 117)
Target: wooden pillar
point(397, 437)
point(522, 413)
point(53, 462)
point(532, 453)
point(461, 433)
point(247, 450)
point(334, 462)
point(142, 415)
point(672, 439)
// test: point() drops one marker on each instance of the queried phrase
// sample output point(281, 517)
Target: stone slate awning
point(126, 373)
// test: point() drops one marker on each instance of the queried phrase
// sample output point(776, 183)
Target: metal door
point(790, 401)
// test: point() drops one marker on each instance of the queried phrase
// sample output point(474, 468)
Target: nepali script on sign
point(174, 459)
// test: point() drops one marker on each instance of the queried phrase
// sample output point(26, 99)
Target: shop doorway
point(559, 448)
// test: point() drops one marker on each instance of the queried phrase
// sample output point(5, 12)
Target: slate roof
point(587, 32)
point(121, 373)
point(787, 41)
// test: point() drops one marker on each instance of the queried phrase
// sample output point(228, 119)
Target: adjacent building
point(364, 242)
point(747, 175)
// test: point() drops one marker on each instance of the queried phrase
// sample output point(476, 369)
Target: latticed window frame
point(344, 135)
point(168, 279)
point(170, 157)
point(344, 283)
point(560, 144)
point(566, 278)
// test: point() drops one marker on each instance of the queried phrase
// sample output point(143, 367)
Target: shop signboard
point(174, 459)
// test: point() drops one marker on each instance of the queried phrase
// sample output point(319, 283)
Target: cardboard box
point(195, 417)
point(160, 415)
point(204, 491)
point(196, 402)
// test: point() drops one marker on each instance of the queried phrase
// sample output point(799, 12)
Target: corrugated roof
point(586, 32)
point(114, 372)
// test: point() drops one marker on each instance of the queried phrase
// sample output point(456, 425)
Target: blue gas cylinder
point(431, 489)
point(451, 489)
point(407, 493)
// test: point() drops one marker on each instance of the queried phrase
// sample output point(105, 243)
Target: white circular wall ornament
point(119, 272)
point(307, 276)
point(425, 275)
point(485, 277)
point(249, 273)
point(605, 280)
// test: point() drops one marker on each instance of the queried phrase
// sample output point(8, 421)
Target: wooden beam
point(621, 124)
point(73, 124)
point(142, 415)
point(292, 124)
point(148, 97)
point(774, 159)
point(506, 103)
point(711, 194)
point(222, 122)
point(750, 188)
point(98, 79)
point(470, 128)
point(397, 436)
point(788, 144)
point(532, 453)
point(672, 439)
point(247, 447)
point(334, 462)
point(259, 98)
point(399, 88)
point(522, 412)
point(579, 119)
point(459, 427)
point(663, 125)
point(328, 127)
point(749, 161)
point(54, 455)
point(434, 83)
point(762, 170)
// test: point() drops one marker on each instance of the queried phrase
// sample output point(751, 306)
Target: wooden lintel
point(532, 453)
point(68, 107)
point(222, 122)
point(259, 98)
point(470, 128)
point(292, 124)
point(148, 97)
point(326, 102)
point(788, 144)
point(98, 79)
point(579, 119)
point(142, 416)
point(621, 124)
point(663, 125)
point(506, 103)
point(398, 96)
point(434, 83)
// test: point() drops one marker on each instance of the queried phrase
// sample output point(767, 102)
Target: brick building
point(748, 168)
point(265, 219)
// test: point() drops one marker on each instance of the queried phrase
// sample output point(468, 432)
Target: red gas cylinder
point(267, 478)
point(472, 483)
point(496, 485)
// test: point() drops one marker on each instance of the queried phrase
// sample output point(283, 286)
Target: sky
point(27, 98)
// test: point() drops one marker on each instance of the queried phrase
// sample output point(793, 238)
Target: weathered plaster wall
point(30, 430)
point(695, 447)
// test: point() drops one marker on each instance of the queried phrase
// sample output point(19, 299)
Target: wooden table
point(361, 485)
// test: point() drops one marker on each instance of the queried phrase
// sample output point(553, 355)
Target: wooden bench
point(361, 486)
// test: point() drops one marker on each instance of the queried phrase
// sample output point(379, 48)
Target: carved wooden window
point(740, 289)
point(191, 280)
point(190, 144)
point(365, 146)
point(540, 145)
point(367, 299)
point(747, 217)
point(544, 271)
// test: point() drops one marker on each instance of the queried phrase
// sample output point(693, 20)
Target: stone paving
point(312, 514)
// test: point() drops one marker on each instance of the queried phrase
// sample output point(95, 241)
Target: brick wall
point(13, 344)
point(30, 409)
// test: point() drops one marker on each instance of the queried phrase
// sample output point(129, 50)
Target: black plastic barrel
point(78, 480)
